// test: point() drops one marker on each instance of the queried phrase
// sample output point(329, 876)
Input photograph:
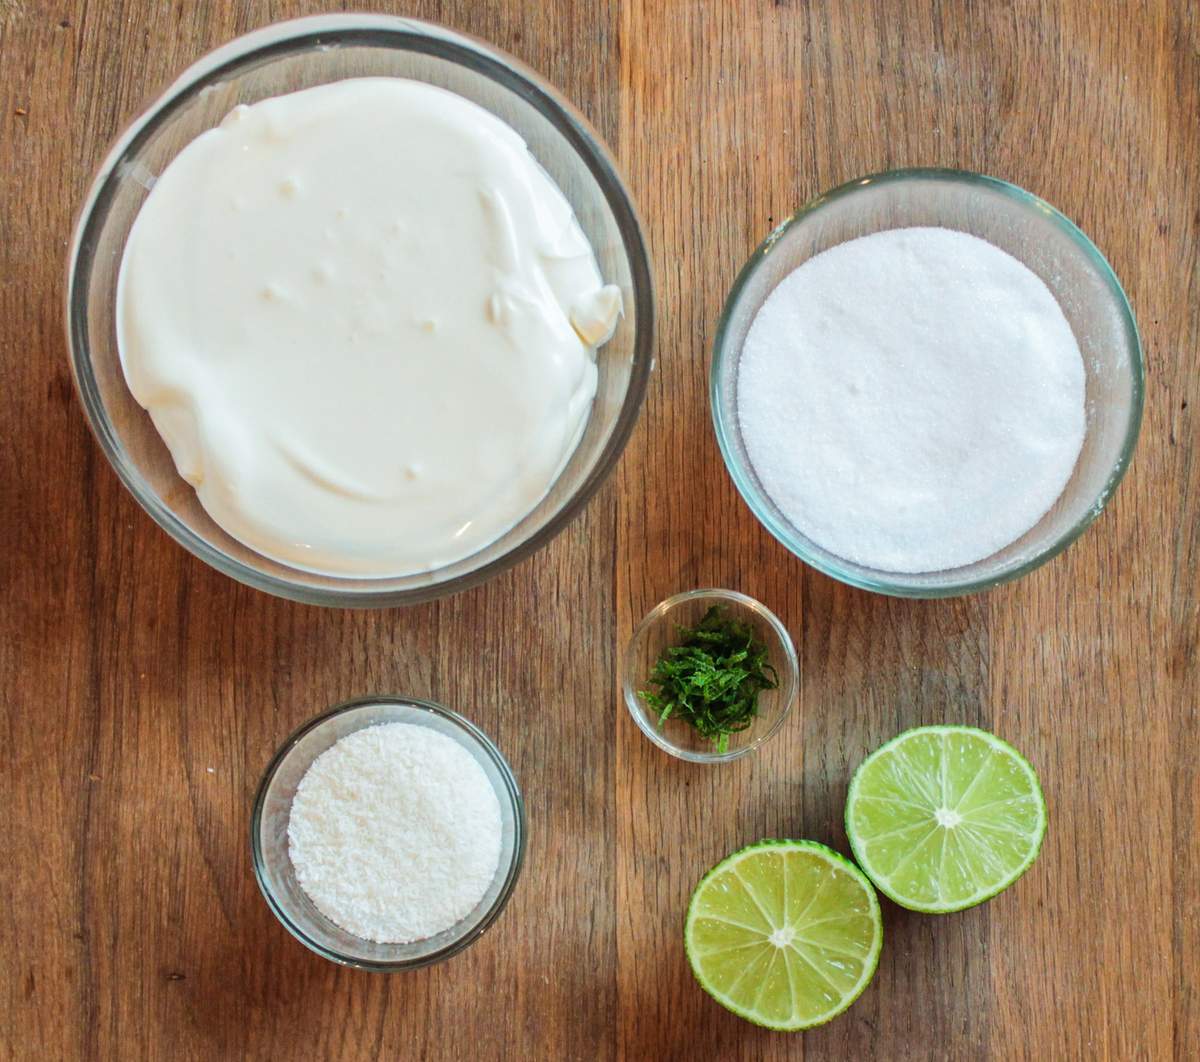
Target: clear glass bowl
point(300, 54)
point(660, 629)
point(1031, 231)
point(269, 840)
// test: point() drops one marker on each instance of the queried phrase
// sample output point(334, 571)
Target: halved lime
point(784, 933)
point(945, 817)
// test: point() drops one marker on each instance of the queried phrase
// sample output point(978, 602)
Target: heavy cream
point(363, 319)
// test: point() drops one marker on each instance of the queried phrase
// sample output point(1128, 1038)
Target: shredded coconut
point(912, 400)
point(395, 832)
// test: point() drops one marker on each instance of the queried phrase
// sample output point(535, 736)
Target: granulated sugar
point(395, 832)
point(912, 400)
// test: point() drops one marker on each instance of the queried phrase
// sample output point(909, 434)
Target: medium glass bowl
point(1035, 234)
point(269, 839)
point(660, 629)
point(296, 55)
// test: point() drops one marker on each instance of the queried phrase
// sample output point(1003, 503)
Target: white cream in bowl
point(364, 320)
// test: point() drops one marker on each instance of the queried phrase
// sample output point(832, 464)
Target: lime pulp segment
point(944, 817)
point(784, 933)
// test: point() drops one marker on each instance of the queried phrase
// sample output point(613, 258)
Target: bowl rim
point(896, 586)
point(405, 34)
point(512, 792)
point(790, 668)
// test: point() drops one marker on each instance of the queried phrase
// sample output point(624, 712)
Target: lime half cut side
point(784, 933)
point(944, 817)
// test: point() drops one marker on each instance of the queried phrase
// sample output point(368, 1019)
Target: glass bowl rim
point(896, 586)
point(790, 670)
point(401, 34)
point(512, 792)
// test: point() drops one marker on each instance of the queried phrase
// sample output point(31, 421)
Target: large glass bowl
point(296, 55)
point(1034, 233)
point(272, 810)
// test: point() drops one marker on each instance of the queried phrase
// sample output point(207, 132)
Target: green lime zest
point(712, 678)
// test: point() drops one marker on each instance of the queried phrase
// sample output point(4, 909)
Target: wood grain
point(143, 693)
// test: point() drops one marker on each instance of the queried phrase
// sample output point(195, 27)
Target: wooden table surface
point(143, 693)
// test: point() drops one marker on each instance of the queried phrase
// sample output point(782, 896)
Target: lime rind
point(790, 962)
point(986, 836)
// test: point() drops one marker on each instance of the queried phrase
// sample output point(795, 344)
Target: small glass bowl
point(1035, 234)
point(286, 57)
point(269, 839)
point(660, 629)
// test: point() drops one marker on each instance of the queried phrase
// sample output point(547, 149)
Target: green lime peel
point(712, 678)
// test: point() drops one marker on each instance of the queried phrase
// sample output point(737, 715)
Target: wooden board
point(143, 693)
